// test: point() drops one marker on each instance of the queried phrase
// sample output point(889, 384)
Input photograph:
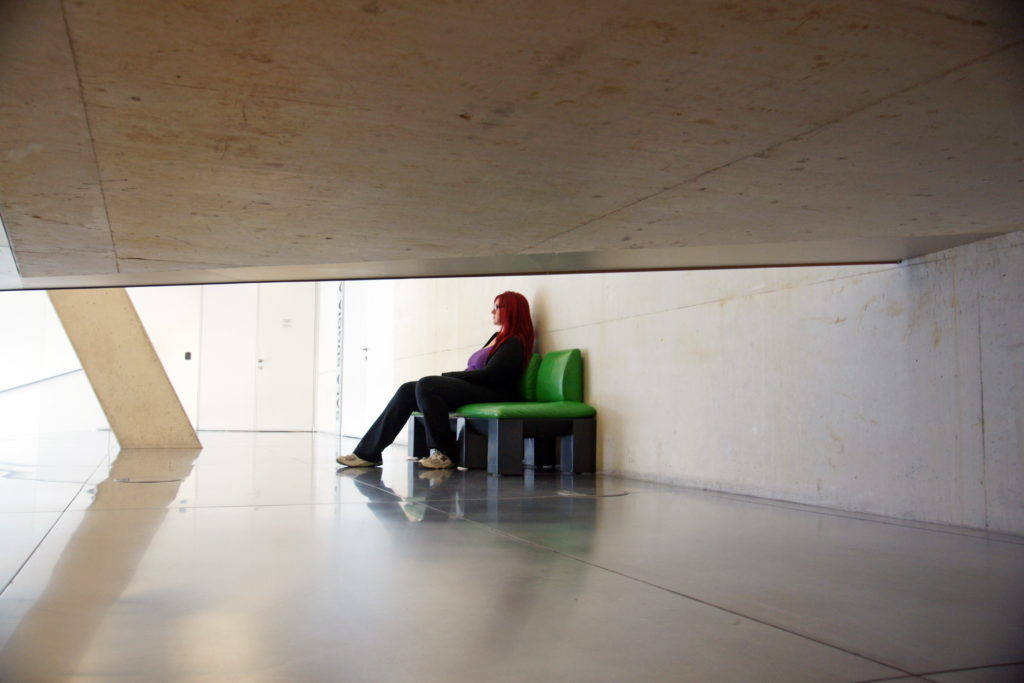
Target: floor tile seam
point(331, 503)
point(965, 532)
point(49, 530)
point(691, 598)
point(322, 503)
point(42, 481)
point(965, 669)
point(50, 511)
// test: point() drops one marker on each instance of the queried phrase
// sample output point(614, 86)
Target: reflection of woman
point(492, 376)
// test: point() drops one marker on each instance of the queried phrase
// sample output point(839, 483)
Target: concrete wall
point(896, 390)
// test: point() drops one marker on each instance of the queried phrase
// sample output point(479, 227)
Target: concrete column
point(123, 369)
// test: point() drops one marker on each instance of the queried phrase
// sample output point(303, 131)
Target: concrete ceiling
point(166, 141)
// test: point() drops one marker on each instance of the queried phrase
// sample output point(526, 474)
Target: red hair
point(514, 318)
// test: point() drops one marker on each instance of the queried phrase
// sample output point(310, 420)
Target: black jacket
point(502, 371)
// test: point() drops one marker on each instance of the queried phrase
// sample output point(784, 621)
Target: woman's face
point(495, 310)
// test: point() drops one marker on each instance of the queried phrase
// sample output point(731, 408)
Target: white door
point(368, 351)
point(227, 357)
point(286, 357)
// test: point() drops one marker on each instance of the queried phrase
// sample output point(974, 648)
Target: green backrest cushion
point(560, 377)
point(528, 382)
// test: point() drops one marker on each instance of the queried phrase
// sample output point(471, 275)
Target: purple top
point(479, 359)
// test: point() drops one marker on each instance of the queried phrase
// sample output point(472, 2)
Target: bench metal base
point(505, 446)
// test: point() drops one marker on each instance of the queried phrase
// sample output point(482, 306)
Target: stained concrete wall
point(896, 390)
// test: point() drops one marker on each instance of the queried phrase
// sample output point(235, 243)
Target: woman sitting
point(492, 376)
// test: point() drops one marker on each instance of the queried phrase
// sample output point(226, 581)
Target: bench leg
point(504, 447)
point(472, 445)
point(417, 438)
point(579, 449)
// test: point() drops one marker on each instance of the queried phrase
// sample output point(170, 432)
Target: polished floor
point(255, 559)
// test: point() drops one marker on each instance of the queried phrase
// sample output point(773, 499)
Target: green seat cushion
point(528, 382)
point(527, 410)
point(551, 387)
point(560, 376)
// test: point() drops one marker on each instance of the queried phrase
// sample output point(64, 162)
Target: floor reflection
point(97, 564)
point(273, 565)
point(446, 495)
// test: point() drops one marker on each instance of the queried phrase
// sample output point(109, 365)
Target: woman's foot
point(437, 460)
point(353, 460)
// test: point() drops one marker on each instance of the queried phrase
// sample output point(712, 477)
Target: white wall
point(33, 345)
point(172, 317)
point(218, 324)
point(252, 351)
point(896, 390)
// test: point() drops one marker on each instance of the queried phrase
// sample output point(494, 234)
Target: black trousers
point(435, 397)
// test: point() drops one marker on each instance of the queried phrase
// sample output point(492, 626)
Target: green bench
point(503, 437)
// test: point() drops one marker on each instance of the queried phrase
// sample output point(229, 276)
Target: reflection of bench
point(500, 436)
